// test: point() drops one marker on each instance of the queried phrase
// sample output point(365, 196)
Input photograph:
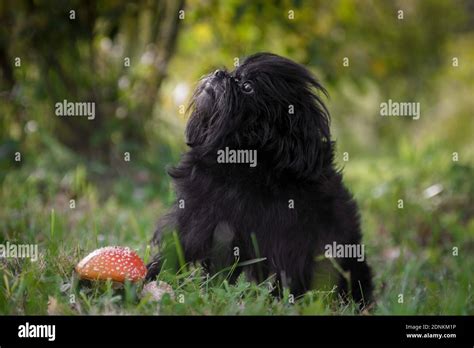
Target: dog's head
point(269, 104)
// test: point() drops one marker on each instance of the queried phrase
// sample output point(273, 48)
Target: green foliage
point(412, 250)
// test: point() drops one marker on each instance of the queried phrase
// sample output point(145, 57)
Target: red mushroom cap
point(116, 263)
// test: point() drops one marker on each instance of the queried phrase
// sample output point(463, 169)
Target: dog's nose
point(219, 73)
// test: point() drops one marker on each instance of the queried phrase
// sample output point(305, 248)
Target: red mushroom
point(116, 263)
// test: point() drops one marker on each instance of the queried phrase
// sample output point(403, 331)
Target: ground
point(420, 249)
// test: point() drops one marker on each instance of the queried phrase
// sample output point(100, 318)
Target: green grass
point(410, 249)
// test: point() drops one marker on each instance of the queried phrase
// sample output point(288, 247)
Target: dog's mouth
point(211, 86)
point(209, 89)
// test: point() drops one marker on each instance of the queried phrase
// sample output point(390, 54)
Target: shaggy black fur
point(250, 108)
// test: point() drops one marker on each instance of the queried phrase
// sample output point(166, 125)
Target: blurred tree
point(112, 53)
point(84, 59)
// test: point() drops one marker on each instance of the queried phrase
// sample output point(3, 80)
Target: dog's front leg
point(167, 222)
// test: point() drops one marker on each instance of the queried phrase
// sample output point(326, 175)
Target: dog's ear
point(305, 145)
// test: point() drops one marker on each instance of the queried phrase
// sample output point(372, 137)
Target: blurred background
point(47, 56)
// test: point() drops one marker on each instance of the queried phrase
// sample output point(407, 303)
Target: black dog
point(288, 204)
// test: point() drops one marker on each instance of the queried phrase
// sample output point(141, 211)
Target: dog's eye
point(247, 87)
